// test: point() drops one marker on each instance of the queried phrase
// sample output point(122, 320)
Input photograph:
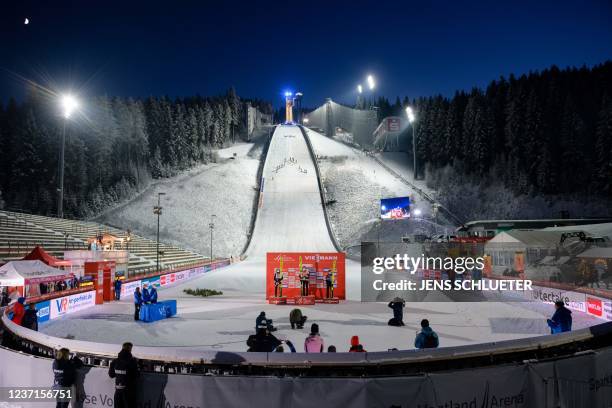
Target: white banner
point(576, 381)
point(73, 303)
point(573, 300)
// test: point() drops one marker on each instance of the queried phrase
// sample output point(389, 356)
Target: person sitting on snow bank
point(426, 338)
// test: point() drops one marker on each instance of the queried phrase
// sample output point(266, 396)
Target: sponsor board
point(70, 304)
point(128, 288)
point(573, 300)
point(43, 311)
point(599, 307)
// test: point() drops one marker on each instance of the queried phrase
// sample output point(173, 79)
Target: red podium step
point(277, 301)
point(329, 301)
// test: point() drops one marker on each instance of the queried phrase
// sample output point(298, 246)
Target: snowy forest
point(114, 147)
point(543, 141)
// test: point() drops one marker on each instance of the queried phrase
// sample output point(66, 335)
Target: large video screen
point(396, 208)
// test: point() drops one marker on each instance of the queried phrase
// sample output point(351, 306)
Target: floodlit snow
point(226, 189)
point(291, 219)
point(357, 182)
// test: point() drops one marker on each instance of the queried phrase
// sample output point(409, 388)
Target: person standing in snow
point(137, 303)
point(397, 305)
point(124, 369)
point(18, 311)
point(118, 284)
point(30, 318)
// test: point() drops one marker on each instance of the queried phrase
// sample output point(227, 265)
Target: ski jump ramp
point(290, 218)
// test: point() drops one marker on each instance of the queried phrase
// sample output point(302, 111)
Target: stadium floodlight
point(288, 94)
point(410, 114)
point(305, 120)
point(359, 88)
point(371, 83)
point(417, 212)
point(69, 105)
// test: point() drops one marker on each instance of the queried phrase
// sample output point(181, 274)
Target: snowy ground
point(226, 189)
point(225, 322)
point(290, 219)
point(357, 182)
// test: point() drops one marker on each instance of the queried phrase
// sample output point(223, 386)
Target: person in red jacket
point(18, 311)
point(356, 347)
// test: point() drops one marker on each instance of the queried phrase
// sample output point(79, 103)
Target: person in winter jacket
point(124, 369)
point(146, 295)
point(18, 311)
point(153, 295)
point(426, 338)
point(137, 303)
point(118, 284)
point(356, 347)
point(30, 318)
point(314, 342)
point(64, 373)
point(263, 341)
point(397, 305)
point(262, 322)
point(561, 320)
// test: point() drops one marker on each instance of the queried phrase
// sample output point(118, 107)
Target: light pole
point(298, 99)
point(212, 227)
point(411, 120)
point(69, 105)
point(359, 96)
point(371, 86)
point(157, 210)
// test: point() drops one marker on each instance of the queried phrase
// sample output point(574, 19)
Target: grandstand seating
point(21, 232)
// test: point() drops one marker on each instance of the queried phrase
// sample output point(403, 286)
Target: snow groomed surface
point(291, 219)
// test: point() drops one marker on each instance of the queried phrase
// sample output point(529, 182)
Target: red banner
point(317, 264)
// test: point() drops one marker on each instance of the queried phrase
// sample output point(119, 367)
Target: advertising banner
point(317, 265)
point(573, 300)
point(571, 382)
point(395, 208)
point(599, 307)
point(70, 304)
point(128, 288)
point(43, 311)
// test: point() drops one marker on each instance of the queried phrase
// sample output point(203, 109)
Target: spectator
point(397, 305)
point(5, 300)
point(137, 303)
point(331, 349)
point(356, 347)
point(64, 373)
point(426, 338)
point(561, 320)
point(118, 284)
point(30, 318)
point(18, 311)
point(153, 295)
point(296, 319)
point(263, 341)
point(262, 322)
point(124, 369)
point(314, 342)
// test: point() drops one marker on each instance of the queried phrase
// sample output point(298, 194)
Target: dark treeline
point(114, 147)
point(545, 133)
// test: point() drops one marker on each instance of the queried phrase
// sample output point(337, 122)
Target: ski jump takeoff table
point(157, 311)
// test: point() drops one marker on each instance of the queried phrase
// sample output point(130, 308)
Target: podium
point(157, 311)
point(277, 301)
point(295, 300)
point(329, 301)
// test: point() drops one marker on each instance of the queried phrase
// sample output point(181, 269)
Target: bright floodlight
point(69, 105)
point(417, 212)
point(287, 94)
point(371, 83)
point(305, 120)
point(410, 114)
point(359, 88)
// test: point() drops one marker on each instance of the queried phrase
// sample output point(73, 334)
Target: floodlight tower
point(69, 105)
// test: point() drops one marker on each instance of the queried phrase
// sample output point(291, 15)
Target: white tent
point(22, 273)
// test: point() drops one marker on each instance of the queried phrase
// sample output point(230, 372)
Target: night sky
point(323, 49)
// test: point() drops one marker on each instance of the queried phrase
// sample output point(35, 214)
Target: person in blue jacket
point(137, 303)
point(153, 295)
point(118, 284)
point(561, 320)
point(146, 295)
point(426, 338)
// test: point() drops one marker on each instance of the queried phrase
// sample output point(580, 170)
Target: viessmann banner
point(317, 265)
